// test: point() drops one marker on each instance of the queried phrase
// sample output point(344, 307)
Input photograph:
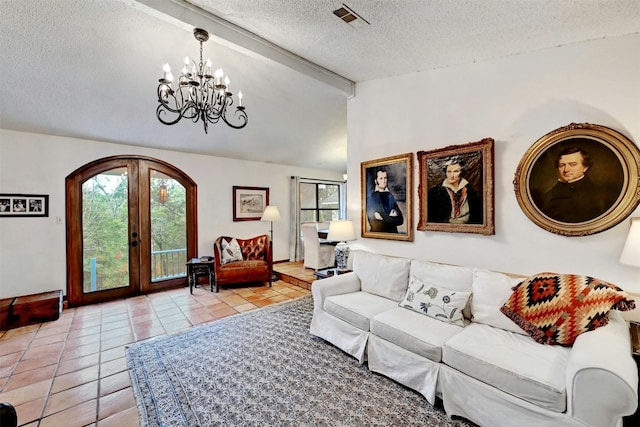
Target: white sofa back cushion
point(382, 275)
point(453, 277)
point(490, 291)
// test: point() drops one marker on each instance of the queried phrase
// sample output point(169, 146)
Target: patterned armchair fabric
point(256, 264)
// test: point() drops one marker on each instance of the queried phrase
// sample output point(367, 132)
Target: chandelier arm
point(164, 109)
point(242, 117)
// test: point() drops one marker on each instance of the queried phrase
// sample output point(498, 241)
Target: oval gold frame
point(625, 151)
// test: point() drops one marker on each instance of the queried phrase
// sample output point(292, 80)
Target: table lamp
point(341, 231)
point(631, 251)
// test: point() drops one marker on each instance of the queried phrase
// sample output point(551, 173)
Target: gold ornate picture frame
point(557, 199)
point(456, 188)
point(387, 190)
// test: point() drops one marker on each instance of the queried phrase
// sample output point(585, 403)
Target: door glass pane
point(168, 227)
point(105, 231)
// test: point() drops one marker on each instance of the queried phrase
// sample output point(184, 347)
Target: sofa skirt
point(487, 406)
point(346, 337)
point(403, 366)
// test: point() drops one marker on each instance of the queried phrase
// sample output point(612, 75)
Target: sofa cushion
point(357, 308)
point(382, 275)
point(231, 251)
point(556, 308)
point(435, 301)
point(447, 276)
point(513, 363)
point(490, 291)
point(414, 332)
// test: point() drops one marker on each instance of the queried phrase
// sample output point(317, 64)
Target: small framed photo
point(456, 188)
point(387, 188)
point(12, 205)
point(249, 203)
point(579, 180)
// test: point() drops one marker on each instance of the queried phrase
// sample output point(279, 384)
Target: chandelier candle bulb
point(218, 75)
point(167, 72)
point(239, 98)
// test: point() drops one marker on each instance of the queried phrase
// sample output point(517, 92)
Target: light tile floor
point(73, 372)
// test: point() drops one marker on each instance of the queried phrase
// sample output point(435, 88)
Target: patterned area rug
point(264, 368)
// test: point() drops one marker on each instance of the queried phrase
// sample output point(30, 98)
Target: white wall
point(32, 250)
point(514, 100)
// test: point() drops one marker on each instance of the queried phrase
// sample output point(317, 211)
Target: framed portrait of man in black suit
point(578, 180)
point(386, 189)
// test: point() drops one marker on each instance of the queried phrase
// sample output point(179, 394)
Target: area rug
point(264, 368)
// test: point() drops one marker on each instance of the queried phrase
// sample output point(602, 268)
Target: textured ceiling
point(89, 68)
point(407, 36)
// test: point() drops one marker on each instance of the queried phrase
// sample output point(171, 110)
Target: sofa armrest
point(334, 285)
point(602, 377)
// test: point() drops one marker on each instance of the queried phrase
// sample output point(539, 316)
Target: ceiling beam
point(240, 39)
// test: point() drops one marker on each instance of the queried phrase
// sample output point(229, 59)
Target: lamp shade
point(631, 251)
point(271, 213)
point(341, 231)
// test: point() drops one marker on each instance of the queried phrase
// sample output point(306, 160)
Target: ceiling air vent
point(350, 17)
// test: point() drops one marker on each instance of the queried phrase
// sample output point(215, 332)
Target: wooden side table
point(197, 267)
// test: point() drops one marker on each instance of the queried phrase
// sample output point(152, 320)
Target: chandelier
point(199, 95)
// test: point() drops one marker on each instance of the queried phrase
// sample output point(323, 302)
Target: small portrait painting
point(386, 198)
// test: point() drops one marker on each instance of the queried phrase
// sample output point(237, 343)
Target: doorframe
point(138, 184)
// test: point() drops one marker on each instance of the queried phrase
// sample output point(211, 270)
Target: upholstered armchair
point(317, 254)
point(248, 260)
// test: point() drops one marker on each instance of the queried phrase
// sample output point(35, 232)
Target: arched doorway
point(131, 227)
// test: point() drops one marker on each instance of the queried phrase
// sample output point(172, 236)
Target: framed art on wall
point(579, 179)
point(456, 188)
point(386, 191)
point(249, 203)
point(12, 205)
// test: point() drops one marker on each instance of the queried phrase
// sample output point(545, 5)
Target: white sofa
point(488, 371)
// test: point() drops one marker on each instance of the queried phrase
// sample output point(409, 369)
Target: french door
point(131, 227)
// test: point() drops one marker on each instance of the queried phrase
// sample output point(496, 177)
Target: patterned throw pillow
point(556, 308)
point(230, 251)
point(435, 301)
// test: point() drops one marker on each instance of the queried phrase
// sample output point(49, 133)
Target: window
point(319, 202)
